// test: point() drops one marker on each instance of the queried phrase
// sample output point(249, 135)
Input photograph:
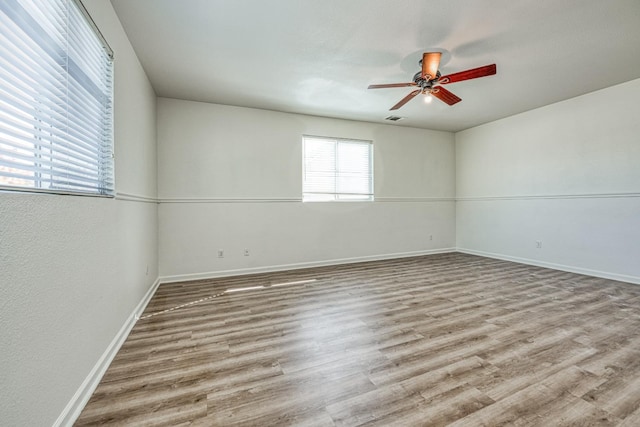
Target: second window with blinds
point(337, 169)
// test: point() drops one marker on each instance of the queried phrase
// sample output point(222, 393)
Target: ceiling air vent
point(394, 118)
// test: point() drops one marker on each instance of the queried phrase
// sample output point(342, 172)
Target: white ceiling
point(318, 56)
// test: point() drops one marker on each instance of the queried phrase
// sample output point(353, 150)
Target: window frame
point(54, 145)
point(337, 196)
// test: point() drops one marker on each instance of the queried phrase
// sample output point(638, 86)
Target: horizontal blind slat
point(33, 134)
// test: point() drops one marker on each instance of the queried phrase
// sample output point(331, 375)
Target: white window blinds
point(337, 169)
point(55, 99)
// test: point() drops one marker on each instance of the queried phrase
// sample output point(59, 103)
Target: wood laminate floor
point(449, 339)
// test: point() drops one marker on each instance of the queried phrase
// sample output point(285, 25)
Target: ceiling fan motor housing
point(424, 83)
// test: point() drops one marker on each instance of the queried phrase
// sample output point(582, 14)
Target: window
point(337, 169)
point(55, 99)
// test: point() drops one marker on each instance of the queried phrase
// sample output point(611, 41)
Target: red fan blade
point(430, 64)
point(391, 85)
point(487, 70)
point(405, 99)
point(445, 96)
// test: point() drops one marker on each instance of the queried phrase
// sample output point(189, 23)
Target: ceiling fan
point(429, 80)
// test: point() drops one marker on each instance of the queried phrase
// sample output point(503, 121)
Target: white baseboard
point(75, 406)
point(571, 269)
point(297, 266)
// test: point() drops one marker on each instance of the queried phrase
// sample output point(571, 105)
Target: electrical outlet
point(220, 253)
point(246, 252)
point(147, 272)
point(430, 236)
point(539, 244)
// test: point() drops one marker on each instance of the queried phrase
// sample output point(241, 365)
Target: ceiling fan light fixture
point(429, 81)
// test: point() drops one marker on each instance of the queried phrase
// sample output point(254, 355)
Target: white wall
point(72, 269)
point(567, 175)
point(231, 178)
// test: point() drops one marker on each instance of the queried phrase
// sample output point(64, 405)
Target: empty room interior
point(319, 213)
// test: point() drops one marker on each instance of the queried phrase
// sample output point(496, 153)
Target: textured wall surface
point(72, 269)
point(231, 178)
point(566, 175)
